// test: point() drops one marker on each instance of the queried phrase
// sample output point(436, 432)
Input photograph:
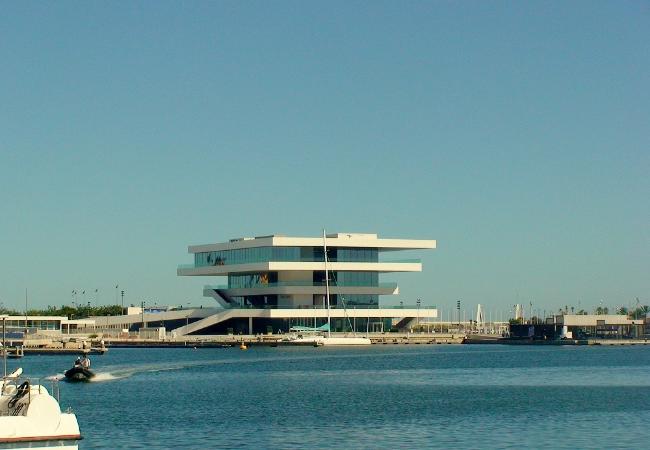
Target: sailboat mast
point(327, 286)
point(4, 343)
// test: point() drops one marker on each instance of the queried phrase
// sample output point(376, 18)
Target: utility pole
point(122, 302)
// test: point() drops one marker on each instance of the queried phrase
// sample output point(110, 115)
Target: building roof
point(361, 240)
point(22, 317)
point(594, 319)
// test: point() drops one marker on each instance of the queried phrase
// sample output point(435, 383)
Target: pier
point(274, 340)
point(99, 345)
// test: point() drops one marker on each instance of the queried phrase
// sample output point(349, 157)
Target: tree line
point(71, 312)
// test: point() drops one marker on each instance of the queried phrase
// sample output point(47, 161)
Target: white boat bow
point(28, 412)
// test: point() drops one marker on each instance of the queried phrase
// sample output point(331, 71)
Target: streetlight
point(418, 303)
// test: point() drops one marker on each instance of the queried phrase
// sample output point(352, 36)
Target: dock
point(80, 345)
point(276, 340)
point(63, 351)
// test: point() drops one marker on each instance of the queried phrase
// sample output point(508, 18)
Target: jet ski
point(79, 372)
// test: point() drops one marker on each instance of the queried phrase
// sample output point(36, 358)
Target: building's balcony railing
point(394, 261)
point(400, 261)
point(411, 307)
point(348, 306)
point(298, 283)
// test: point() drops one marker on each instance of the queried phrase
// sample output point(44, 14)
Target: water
point(475, 396)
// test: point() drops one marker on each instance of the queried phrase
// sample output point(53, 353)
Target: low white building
point(577, 326)
point(47, 325)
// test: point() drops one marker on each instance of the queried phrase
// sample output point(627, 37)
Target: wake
point(98, 378)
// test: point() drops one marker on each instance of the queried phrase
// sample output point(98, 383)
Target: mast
point(4, 342)
point(25, 337)
point(327, 286)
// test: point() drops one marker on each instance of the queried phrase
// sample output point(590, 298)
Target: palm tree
point(641, 311)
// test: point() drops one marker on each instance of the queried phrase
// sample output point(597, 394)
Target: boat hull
point(346, 341)
point(79, 374)
point(318, 341)
point(34, 417)
point(26, 429)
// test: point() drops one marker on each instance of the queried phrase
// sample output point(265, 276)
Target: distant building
point(587, 326)
point(148, 309)
point(45, 325)
point(600, 326)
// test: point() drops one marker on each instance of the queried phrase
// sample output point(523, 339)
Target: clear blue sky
point(517, 134)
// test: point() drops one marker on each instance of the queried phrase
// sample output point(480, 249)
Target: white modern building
point(276, 282)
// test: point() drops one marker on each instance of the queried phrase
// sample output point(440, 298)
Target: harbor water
point(380, 396)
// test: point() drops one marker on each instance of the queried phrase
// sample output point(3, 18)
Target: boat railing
point(37, 383)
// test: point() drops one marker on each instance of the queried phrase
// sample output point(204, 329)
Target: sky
point(516, 134)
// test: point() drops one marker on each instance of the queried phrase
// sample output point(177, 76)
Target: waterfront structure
point(602, 326)
point(582, 327)
point(276, 282)
point(45, 325)
point(136, 319)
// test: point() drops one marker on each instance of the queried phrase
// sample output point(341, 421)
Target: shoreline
point(227, 341)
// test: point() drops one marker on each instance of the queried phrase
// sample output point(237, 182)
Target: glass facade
point(290, 254)
point(246, 256)
point(365, 300)
point(348, 300)
point(356, 254)
point(342, 278)
point(256, 301)
point(38, 324)
point(344, 254)
point(296, 254)
point(252, 280)
point(345, 278)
